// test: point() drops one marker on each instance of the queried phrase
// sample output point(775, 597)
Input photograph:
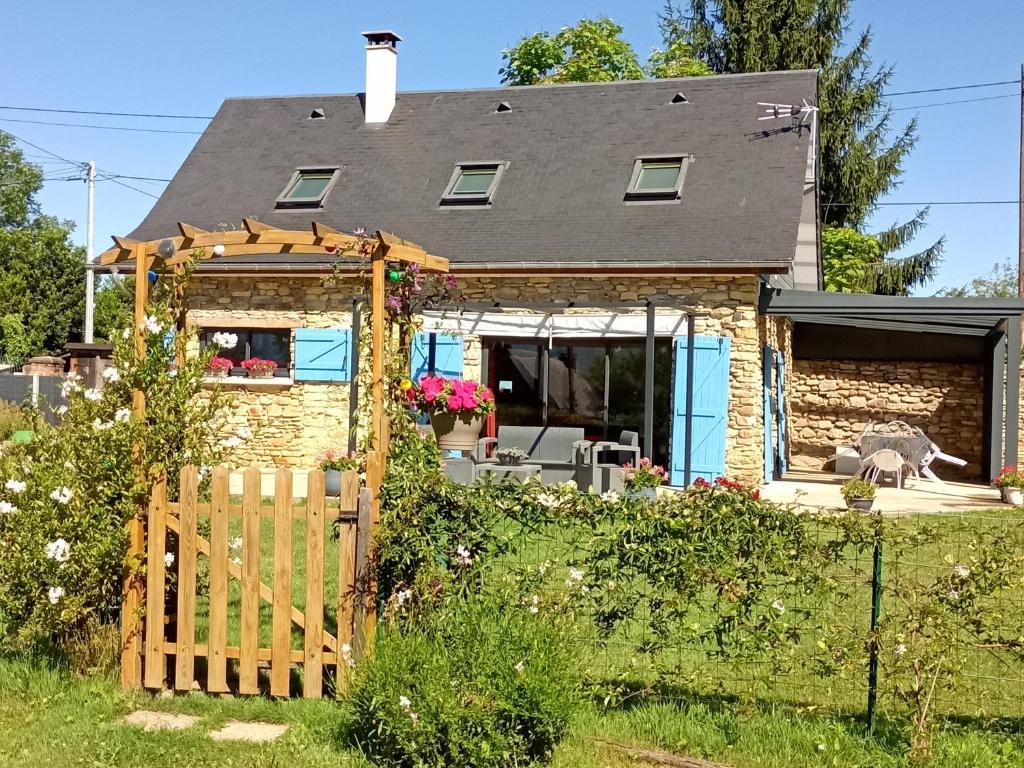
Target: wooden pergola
point(256, 238)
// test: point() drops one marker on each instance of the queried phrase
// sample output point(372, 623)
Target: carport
point(864, 327)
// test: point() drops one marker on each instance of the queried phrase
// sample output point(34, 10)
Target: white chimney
point(381, 74)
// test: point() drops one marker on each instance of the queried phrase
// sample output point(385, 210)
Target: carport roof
point(971, 316)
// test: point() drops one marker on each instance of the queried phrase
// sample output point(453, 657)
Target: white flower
point(55, 594)
point(173, 373)
point(403, 597)
point(520, 667)
point(225, 340)
point(231, 442)
point(58, 550)
point(610, 496)
point(126, 333)
point(575, 574)
point(60, 410)
point(778, 605)
point(464, 557)
point(93, 394)
point(153, 325)
point(101, 426)
point(346, 654)
point(111, 374)
point(961, 571)
point(169, 559)
point(953, 594)
point(547, 500)
point(235, 543)
point(900, 649)
point(69, 386)
point(821, 747)
point(244, 433)
point(15, 486)
point(542, 569)
point(204, 471)
point(6, 508)
point(403, 702)
point(236, 560)
point(534, 604)
point(122, 414)
point(61, 495)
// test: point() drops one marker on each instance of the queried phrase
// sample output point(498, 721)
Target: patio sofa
point(558, 450)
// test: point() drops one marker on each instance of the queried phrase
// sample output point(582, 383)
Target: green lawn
point(48, 717)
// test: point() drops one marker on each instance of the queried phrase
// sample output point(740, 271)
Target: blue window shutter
point(710, 409)
point(323, 354)
point(447, 356)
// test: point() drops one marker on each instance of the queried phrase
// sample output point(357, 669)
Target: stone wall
point(832, 401)
point(295, 422)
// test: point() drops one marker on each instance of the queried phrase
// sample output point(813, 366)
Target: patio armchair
point(602, 475)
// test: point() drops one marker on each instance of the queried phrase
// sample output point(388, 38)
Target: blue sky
point(185, 57)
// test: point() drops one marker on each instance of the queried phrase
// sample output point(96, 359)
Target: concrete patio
point(822, 489)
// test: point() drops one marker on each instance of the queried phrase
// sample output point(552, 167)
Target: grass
point(49, 717)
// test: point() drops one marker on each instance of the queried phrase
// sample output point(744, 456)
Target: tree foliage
point(1000, 281)
point(861, 155)
point(42, 299)
point(593, 51)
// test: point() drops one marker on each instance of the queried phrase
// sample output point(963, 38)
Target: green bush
point(65, 497)
point(14, 418)
point(477, 684)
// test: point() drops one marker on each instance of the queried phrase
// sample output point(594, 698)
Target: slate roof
point(570, 151)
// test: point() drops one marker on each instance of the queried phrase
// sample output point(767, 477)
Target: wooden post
point(132, 588)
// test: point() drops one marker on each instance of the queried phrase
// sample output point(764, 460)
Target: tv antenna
point(799, 114)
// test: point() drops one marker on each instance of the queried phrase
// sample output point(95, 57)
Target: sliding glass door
point(590, 383)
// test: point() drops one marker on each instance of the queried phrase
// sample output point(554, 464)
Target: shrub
point(65, 497)
point(858, 489)
point(14, 418)
point(476, 685)
point(645, 474)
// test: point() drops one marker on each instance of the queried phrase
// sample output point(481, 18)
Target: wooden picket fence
point(173, 657)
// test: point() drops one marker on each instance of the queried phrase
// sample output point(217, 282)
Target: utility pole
point(1020, 195)
point(90, 276)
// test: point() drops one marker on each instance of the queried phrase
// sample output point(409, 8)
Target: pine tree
point(860, 156)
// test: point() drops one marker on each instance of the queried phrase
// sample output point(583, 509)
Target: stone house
point(603, 235)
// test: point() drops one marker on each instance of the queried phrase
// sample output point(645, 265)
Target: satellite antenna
point(800, 114)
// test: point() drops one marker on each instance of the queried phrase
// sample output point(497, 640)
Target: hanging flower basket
point(456, 408)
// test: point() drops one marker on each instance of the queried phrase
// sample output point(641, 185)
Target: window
point(472, 184)
point(272, 344)
point(657, 178)
point(307, 188)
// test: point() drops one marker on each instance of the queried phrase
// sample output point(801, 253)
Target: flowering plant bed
point(1009, 477)
point(438, 394)
point(259, 368)
point(219, 366)
point(339, 461)
point(645, 474)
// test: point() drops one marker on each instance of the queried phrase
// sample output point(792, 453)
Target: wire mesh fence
point(949, 635)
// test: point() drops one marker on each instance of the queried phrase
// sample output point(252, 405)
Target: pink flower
point(432, 386)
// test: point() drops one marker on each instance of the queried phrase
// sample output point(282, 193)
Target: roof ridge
point(646, 82)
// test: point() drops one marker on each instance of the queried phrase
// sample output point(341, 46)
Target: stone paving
point(233, 730)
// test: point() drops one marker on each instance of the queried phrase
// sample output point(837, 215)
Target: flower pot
point(864, 505)
point(456, 431)
point(1014, 496)
point(261, 374)
point(332, 482)
point(509, 461)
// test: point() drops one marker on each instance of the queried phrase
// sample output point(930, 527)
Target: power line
point(101, 127)
point(106, 114)
point(110, 176)
point(75, 163)
point(136, 178)
point(958, 101)
point(951, 88)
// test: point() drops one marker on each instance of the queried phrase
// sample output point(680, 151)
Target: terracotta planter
point(456, 431)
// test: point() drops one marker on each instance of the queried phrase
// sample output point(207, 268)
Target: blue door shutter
point(323, 354)
point(447, 356)
point(780, 418)
point(767, 360)
point(710, 409)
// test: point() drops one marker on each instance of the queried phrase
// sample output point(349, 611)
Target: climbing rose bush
point(65, 498)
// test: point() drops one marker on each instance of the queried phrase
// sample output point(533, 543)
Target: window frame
point(285, 371)
point(665, 194)
point(284, 201)
point(450, 197)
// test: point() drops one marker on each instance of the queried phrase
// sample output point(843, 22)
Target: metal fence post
point(876, 610)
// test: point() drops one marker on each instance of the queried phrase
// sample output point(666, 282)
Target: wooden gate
point(210, 627)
